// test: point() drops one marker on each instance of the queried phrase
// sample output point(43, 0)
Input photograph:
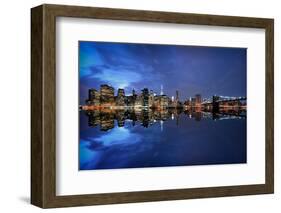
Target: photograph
point(148, 104)
point(160, 105)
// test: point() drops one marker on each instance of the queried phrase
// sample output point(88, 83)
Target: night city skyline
point(189, 69)
point(151, 105)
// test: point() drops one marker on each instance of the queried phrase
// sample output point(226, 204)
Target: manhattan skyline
point(152, 105)
point(189, 69)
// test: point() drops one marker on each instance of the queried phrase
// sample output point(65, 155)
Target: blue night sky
point(189, 69)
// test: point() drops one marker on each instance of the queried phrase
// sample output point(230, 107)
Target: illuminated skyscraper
point(145, 96)
point(151, 99)
point(106, 94)
point(120, 99)
point(176, 101)
point(161, 92)
point(198, 100)
point(193, 102)
point(164, 101)
point(93, 97)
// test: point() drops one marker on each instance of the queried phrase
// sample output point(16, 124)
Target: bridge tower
point(215, 104)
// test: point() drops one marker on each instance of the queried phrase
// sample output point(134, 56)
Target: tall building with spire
point(161, 92)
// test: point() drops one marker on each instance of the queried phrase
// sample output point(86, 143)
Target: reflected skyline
point(108, 119)
point(116, 140)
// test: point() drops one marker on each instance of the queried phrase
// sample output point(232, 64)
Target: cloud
point(186, 68)
point(116, 137)
point(118, 77)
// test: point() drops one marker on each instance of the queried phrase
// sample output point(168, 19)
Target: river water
point(128, 139)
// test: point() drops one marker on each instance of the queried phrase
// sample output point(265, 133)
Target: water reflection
point(147, 138)
point(146, 118)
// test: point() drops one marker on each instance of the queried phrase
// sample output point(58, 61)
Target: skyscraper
point(177, 96)
point(161, 92)
point(151, 98)
point(120, 99)
point(106, 94)
point(145, 96)
point(164, 101)
point(93, 97)
point(176, 102)
point(198, 100)
point(193, 102)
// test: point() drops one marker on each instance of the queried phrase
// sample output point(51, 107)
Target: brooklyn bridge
point(219, 103)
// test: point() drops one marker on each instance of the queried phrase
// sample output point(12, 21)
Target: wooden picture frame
point(43, 105)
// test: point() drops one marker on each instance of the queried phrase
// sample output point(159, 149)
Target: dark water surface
point(158, 139)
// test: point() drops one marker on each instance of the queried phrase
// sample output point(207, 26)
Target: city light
point(105, 98)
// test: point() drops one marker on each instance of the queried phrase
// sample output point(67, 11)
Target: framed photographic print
point(136, 106)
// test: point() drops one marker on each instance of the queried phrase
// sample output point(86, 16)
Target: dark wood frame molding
point(43, 105)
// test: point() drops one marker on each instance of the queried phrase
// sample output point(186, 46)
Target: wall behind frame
point(15, 104)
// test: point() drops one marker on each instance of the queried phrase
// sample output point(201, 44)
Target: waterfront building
point(151, 99)
point(176, 101)
point(177, 96)
point(106, 95)
point(134, 97)
point(193, 102)
point(198, 100)
point(164, 101)
point(93, 97)
point(187, 103)
point(120, 99)
point(129, 101)
point(145, 97)
point(156, 101)
point(139, 101)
